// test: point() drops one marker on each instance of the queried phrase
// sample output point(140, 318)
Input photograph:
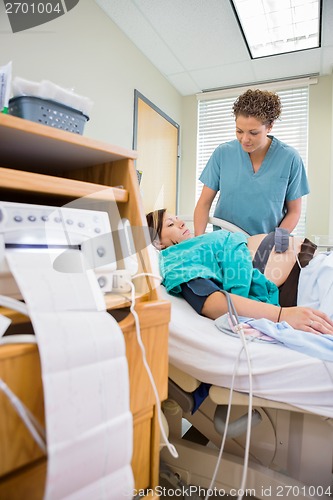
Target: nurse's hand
point(307, 319)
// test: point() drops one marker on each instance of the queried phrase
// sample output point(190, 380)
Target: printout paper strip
point(89, 425)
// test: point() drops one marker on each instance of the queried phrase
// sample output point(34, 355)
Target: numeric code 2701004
point(33, 8)
point(299, 491)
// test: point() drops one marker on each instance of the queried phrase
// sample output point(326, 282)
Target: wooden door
point(156, 138)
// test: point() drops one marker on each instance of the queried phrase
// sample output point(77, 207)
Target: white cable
point(238, 328)
point(151, 275)
point(31, 423)
point(14, 304)
point(170, 446)
point(219, 458)
point(249, 420)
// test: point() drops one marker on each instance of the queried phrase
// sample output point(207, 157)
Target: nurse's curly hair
point(155, 224)
point(261, 104)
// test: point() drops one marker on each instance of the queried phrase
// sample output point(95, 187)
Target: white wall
point(320, 156)
point(85, 50)
point(188, 155)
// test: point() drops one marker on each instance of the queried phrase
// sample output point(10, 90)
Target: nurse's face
point(174, 231)
point(251, 133)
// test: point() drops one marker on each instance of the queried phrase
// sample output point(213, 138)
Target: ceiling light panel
point(279, 26)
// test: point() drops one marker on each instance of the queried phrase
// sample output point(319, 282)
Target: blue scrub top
point(253, 201)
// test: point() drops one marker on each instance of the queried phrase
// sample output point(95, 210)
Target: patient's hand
point(307, 319)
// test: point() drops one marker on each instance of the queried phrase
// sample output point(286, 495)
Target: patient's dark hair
point(261, 104)
point(155, 223)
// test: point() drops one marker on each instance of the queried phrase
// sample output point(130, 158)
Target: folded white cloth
point(49, 90)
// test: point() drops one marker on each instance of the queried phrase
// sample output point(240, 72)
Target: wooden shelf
point(29, 182)
point(43, 165)
point(46, 150)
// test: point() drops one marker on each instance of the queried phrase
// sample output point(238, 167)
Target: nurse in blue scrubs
point(260, 179)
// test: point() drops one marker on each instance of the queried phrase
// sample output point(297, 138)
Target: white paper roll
point(89, 425)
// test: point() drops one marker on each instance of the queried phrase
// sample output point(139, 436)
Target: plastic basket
point(51, 113)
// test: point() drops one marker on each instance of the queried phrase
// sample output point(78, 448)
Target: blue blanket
point(317, 346)
point(221, 256)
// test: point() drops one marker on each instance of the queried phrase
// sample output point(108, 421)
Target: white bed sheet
point(197, 347)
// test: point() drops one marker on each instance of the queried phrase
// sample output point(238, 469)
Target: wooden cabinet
point(42, 165)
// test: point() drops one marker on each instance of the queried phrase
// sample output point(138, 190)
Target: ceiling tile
point(184, 83)
point(197, 44)
point(199, 32)
point(136, 27)
point(289, 65)
point(224, 76)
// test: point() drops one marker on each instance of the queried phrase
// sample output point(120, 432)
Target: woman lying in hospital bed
point(200, 267)
point(293, 389)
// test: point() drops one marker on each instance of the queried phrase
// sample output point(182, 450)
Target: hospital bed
point(291, 451)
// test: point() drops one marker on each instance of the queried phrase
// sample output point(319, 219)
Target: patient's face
point(251, 133)
point(174, 231)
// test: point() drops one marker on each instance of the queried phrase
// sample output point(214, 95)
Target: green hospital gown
point(221, 256)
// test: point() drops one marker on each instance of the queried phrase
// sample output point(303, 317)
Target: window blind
point(216, 124)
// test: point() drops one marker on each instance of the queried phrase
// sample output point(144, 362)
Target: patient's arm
point(302, 318)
